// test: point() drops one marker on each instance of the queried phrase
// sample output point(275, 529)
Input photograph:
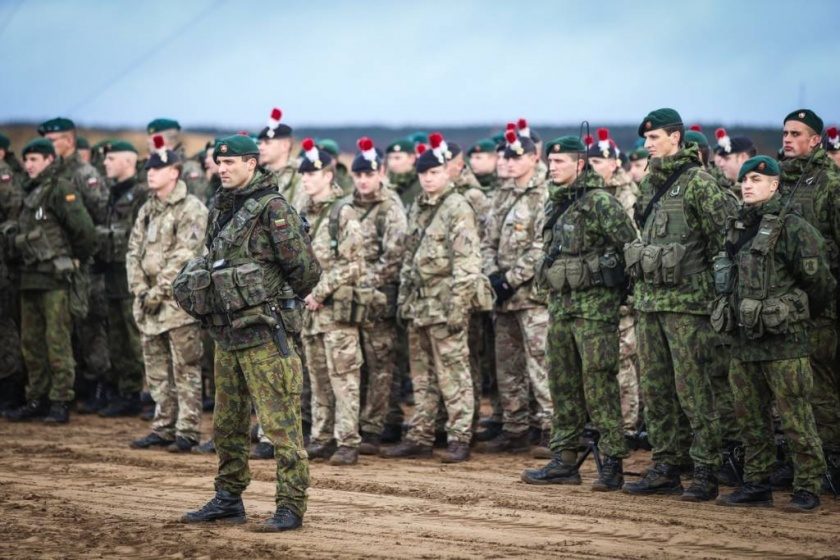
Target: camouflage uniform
point(438, 282)
point(167, 234)
point(512, 247)
point(672, 293)
point(11, 199)
point(587, 229)
point(406, 185)
point(781, 264)
point(331, 341)
point(383, 224)
point(55, 231)
point(249, 309)
point(289, 185)
point(193, 176)
point(817, 199)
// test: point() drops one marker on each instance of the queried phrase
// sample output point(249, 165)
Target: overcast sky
point(226, 63)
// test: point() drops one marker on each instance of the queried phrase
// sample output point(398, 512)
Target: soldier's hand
point(504, 291)
point(151, 301)
point(312, 304)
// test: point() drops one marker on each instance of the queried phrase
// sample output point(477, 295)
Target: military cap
point(565, 145)
point(760, 164)
point(236, 145)
point(832, 139)
point(119, 146)
point(274, 128)
point(402, 145)
point(418, 137)
point(435, 156)
point(498, 138)
point(660, 118)
point(368, 158)
point(330, 145)
point(696, 137)
point(638, 154)
point(5, 143)
point(732, 144)
point(313, 158)
point(454, 150)
point(39, 146)
point(517, 146)
point(523, 129)
point(159, 125)
point(604, 148)
point(161, 156)
point(82, 143)
point(58, 124)
point(485, 146)
point(807, 117)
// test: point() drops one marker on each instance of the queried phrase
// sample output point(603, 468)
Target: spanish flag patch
point(70, 197)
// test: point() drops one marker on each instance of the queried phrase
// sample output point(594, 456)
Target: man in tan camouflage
point(275, 142)
point(169, 231)
point(192, 173)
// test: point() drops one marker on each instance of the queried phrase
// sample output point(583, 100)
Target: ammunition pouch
point(774, 315)
point(238, 287)
point(192, 288)
point(589, 271)
point(112, 243)
point(724, 271)
point(350, 305)
point(34, 247)
point(659, 265)
point(722, 316)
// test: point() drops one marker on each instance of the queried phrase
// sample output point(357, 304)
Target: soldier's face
point(235, 171)
point(209, 163)
point(798, 139)
point(563, 168)
point(317, 183)
point(757, 188)
point(835, 155)
point(162, 177)
point(400, 162)
point(483, 163)
point(638, 169)
point(521, 166)
point(63, 142)
point(367, 182)
point(502, 168)
point(34, 164)
point(658, 143)
point(731, 164)
point(605, 167)
point(274, 150)
point(434, 180)
point(119, 165)
point(455, 166)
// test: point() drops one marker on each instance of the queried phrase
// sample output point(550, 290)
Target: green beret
point(236, 145)
point(119, 146)
point(760, 164)
point(329, 145)
point(39, 146)
point(418, 138)
point(661, 118)
point(401, 145)
point(82, 143)
point(59, 124)
point(696, 137)
point(637, 154)
point(565, 145)
point(158, 125)
point(4, 142)
point(807, 117)
point(485, 146)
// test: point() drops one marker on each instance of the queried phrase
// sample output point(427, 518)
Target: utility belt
point(660, 265)
point(112, 243)
point(757, 317)
point(36, 250)
point(582, 272)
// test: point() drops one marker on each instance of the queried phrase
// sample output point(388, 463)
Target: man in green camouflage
point(193, 174)
point(638, 159)
point(402, 176)
point(55, 235)
point(259, 263)
point(681, 212)
point(773, 276)
point(586, 229)
point(275, 141)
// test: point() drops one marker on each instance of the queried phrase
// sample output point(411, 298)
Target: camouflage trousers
point(520, 368)
point(11, 359)
point(402, 374)
point(788, 383)
point(825, 399)
point(482, 343)
point(273, 383)
point(306, 392)
point(583, 365)
point(45, 338)
point(378, 350)
point(628, 373)
point(334, 359)
point(724, 400)
point(126, 357)
point(676, 356)
point(173, 375)
point(440, 368)
point(91, 333)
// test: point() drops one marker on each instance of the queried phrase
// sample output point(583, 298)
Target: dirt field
point(78, 491)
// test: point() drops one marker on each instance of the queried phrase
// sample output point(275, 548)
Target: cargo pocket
point(722, 318)
point(633, 259)
point(577, 274)
point(672, 257)
point(651, 261)
point(774, 316)
point(249, 281)
point(750, 317)
point(342, 305)
point(593, 265)
point(225, 284)
point(556, 276)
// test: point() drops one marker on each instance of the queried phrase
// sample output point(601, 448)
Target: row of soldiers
point(502, 247)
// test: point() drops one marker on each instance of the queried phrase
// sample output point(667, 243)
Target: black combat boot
point(262, 451)
point(36, 408)
point(320, 450)
point(182, 445)
point(508, 442)
point(224, 506)
point(370, 444)
point(59, 413)
point(732, 469)
point(206, 448)
point(562, 469)
point(491, 430)
point(782, 476)
point(441, 439)
point(704, 486)
point(122, 405)
point(749, 495)
point(456, 452)
point(283, 519)
point(151, 440)
point(802, 501)
point(407, 449)
point(344, 456)
point(661, 479)
point(611, 476)
point(541, 449)
point(391, 433)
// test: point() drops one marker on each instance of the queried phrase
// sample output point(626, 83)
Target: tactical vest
point(571, 262)
point(669, 251)
point(802, 203)
point(42, 243)
point(112, 237)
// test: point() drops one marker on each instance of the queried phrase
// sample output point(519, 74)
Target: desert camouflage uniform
point(167, 234)
point(289, 183)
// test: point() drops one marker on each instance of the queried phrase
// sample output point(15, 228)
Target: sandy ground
point(78, 491)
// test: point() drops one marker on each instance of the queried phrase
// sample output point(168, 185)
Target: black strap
point(672, 178)
point(744, 237)
point(227, 214)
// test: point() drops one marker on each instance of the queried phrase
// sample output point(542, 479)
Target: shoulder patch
point(92, 181)
point(70, 197)
point(281, 223)
point(810, 265)
point(5, 178)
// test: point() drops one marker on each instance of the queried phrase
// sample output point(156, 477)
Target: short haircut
point(676, 128)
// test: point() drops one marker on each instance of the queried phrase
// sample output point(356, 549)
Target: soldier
point(682, 212)
point(638, 164)
point(586, 228)
point(125, 377)
point(56, 235)
point(810, 184)
point(438, 286)
point(730, 155)
point(275, 142)
point(83, 148)
point(832, 144)
point(482, 162)
point(402, 176)
point(192, 174)
point(331, 334)
point(383, 224)
point(510, 252)
point(342, 174)
point(168, 232)
point(772, 277)
point(259, 262)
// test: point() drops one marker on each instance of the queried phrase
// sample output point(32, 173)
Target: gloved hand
point(504, 291)
point(456, 320)
point(151, 301)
